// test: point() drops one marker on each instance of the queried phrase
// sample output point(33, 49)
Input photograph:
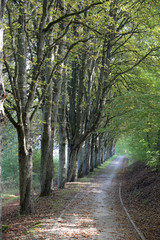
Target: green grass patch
point(4, 227)
point(34, 227)
point(7, 198)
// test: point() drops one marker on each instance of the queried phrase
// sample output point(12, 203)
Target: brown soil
point(141, 196)
point(140, 193)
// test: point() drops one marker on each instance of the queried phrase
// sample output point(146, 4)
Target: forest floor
point(91, 209)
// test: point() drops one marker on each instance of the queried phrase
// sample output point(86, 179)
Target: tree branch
point(53, 70)
point(50, 25)
point(10, 117)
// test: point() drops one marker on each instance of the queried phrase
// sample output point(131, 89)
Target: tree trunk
point(99, 151)
point(46, 172)
point(80, 162)
point(62, 134)
point(96, 153)
point(23, 115)
point(72, 164)
point(86, 156)
point(25, 172)
point(92, 154)
point(62, 157)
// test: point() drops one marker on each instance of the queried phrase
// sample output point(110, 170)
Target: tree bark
point(86, 156)
point(62, 157)
point(24, 127)
point(25, 171)
point(62, 134)
point(92, 153)
point(46, 170)
point(72, 164)
point(80, 161)
point(96, 153)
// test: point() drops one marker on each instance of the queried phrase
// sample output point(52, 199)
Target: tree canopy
point(89, 68)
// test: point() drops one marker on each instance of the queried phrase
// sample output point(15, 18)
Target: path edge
point(128, 215)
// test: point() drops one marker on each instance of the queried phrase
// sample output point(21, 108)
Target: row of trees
point(66, 62)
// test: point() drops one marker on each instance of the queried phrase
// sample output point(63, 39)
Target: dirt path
point(95, 212)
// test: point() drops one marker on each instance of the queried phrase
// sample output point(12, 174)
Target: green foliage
point(36, 168)
point(10, 170)
point(4, 227)
point(137, 146)
point(121, 147)
point(153, 159)
point(56, 163)
point(129, 33)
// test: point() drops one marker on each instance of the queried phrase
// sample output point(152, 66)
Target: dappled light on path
point(76, 226)
point(94, 213)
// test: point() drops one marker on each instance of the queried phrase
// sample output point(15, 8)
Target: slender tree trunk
point(24, 127)
point(72, 164)
point(25, 172)
point(86, 156)
point(62, 135)
point(62, 157)
point(104, 153)
point(46, 171)
point(109, 150)
point(96, 153)
point(46, 163)
point(47, 166)
point(80, 162)
point(99, 150)
point(92, 154)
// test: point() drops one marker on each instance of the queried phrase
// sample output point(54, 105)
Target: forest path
point(94, 213)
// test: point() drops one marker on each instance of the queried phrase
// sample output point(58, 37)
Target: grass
point(7, 198)
point(34, 227)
